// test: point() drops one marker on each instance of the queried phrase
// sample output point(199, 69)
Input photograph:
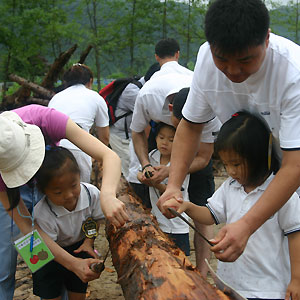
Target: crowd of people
point(241, 103)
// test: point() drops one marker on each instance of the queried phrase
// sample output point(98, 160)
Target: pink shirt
point(51, 122)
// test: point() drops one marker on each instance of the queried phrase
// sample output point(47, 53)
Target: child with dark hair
point(70, 214)
point(175, 228)
point(269, 267)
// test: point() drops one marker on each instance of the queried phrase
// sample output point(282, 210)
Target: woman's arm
point(113, 209)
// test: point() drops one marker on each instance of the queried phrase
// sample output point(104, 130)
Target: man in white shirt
point(246, 68)
point(149, 106)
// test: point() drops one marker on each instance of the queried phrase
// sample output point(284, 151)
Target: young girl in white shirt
point(175, 228)
point(269, 268)
point(70, 214)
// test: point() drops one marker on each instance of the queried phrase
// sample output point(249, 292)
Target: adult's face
point(238, 67)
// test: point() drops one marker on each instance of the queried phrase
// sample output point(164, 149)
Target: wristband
point(144, 167)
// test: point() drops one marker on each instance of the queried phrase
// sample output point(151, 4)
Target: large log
point(149, 265)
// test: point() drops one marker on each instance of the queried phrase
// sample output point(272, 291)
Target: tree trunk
point(56, 68)
point(148, 263)
point(84, 54)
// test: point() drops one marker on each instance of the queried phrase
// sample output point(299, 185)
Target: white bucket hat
point(22, 149)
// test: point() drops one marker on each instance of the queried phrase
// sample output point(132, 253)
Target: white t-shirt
point(84, 106)
point(272, 92)
point(175, 225)
point(125, 104)
point(64, 226)
point(172, 67)
point(263, 270)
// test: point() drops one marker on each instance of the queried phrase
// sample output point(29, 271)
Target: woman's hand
point(113, 209)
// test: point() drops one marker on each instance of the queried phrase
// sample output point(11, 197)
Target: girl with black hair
point(70, 214)
point(269, 267)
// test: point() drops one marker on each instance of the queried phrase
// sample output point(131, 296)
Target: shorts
point(48, 282)
point(182, 241)
point(201, 185)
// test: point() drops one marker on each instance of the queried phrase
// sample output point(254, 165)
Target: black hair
point(249, 136)
point(77, 74)
point(179, 101)
point(153, 68)
point(54, 160)
point(162, 125)
point(166, 48)
point(232, 26)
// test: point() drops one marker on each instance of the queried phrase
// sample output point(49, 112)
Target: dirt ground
point(104, 288)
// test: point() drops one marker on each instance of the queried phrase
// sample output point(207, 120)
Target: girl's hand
point(87, 246)
point(161, 173)
point(177, 204)
point(82, 269)
point(113, 209)
point(293, 290)
point(167, 195)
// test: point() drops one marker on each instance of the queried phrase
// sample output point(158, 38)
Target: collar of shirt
point(262, 187)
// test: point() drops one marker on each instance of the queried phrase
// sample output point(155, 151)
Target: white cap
point(22, 149)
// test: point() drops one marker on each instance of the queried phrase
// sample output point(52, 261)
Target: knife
point(222, 286)
point(175, 213)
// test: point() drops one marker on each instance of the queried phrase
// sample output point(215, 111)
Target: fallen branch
point(47, 94)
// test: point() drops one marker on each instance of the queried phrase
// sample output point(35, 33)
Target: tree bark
point(45, 93)
point(149, 264)
point(84, 54)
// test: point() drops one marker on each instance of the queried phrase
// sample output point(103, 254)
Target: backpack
point(111, 94)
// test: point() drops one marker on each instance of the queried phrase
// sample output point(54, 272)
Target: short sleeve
point(41, 217)
point(288, 215)
point(216, 204)
point(101, 119)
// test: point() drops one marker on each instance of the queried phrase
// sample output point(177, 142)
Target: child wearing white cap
point(22, 135)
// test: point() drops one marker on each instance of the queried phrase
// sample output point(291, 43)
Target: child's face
point(64, 189)
point(164, 140)
point(235, 166)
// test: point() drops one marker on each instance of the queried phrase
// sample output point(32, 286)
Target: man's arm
point(140, 144)
point(202, 158)
point(103, 134)
point(232, 238)
point(185, 146)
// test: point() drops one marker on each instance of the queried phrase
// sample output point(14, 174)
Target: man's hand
point(82, 269)
point(167, 195)
point(231, 241)
point(161, 173)
point(114, 209)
